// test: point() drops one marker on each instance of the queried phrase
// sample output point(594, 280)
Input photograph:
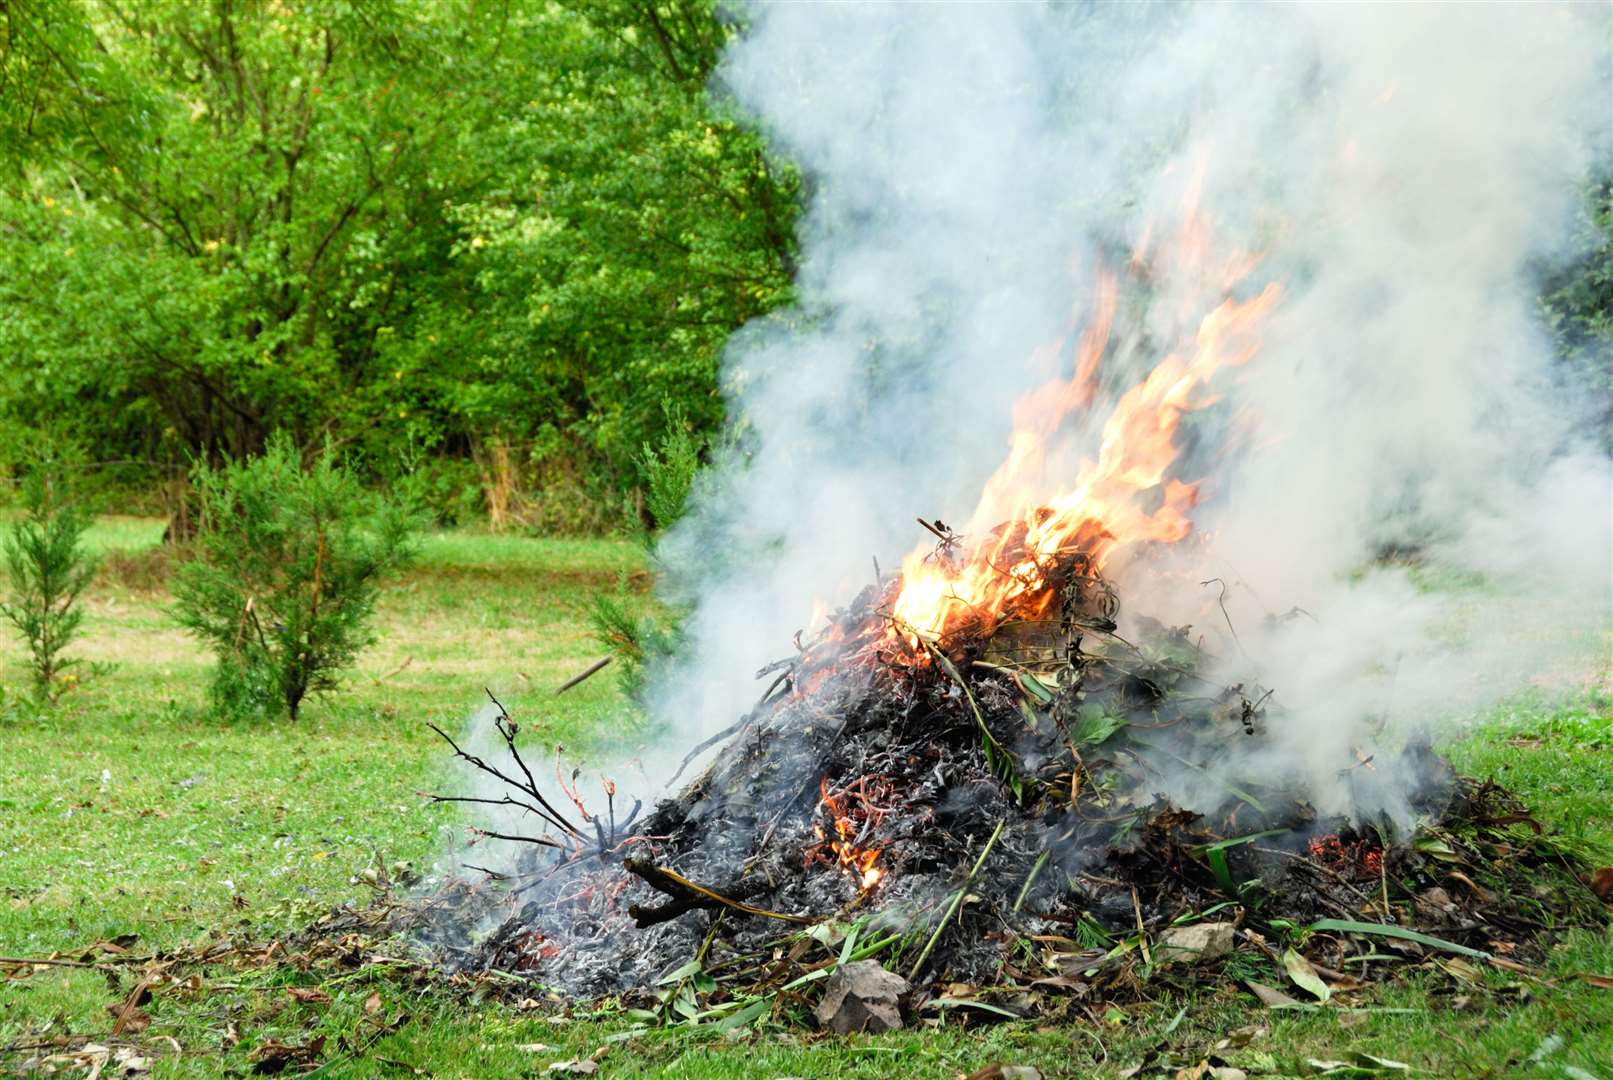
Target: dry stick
point(505, 801)
point(1221, 602)
point(506, 727)
point(575, 679)
point(679, 887)
point(541, 841)
point(407, 660)
point(551, 815)
point(957, 901)
point(23, 961)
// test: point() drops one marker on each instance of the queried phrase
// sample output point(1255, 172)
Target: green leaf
point(970, 1003)
point(848, 945)
point(1346, 926)
point(1095, 725)
point(1429, 844)
point(679, 974)
point(760, 1007)
point(1304, 976)
point(1034, 687)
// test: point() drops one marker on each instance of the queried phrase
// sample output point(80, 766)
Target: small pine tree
point(48, 571)
point(670, 472)
point(284, 575)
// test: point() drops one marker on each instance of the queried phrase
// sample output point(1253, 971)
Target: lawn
point(130, 811)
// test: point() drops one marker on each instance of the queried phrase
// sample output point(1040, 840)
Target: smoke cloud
point(972, 171)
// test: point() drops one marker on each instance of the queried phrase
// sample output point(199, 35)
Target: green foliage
point(638, 642)
point(284, 576)
point(1577, 305)
point(48, 571)
point(385, 223)
point(670, 469)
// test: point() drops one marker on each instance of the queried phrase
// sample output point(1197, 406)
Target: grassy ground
point(129, 811)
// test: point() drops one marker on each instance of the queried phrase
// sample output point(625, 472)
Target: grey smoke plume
point(973, 167)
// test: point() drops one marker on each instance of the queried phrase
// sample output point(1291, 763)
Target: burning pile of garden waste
point(984, 785)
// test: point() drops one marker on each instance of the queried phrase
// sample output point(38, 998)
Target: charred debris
point(984, 816)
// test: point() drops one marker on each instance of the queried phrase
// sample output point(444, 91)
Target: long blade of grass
point(1346, 926)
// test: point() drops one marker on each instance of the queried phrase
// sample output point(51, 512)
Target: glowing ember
point(1004, 572)
point(1348, 859)
point(853, 813)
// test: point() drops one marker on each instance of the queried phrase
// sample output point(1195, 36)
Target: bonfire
point(963, 776)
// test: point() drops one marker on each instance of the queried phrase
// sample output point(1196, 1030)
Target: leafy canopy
point(384, 223)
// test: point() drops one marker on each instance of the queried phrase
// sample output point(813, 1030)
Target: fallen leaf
point(130, 1020)
point(1602, 884)
point(1006, 1072)
point(1601, 982)
point(576, 1067)
point(126, 1014)
point(1270, 997)
point(127, 1063)
point(1238, 1038)
point(1299, 969)
point(273, 1056)
point(372, 1004)
point(1378, 1064)
point(1512, 965)
point(534, 1048)
point(308, 995)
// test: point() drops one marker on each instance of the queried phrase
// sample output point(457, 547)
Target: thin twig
point(597, 665)
point(554, 816)
point(957, 901)
point(1221, 602)
point(23, 961)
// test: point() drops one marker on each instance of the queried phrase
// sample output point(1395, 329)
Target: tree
point(285, 573)
point(375, 222)
point(48, 571)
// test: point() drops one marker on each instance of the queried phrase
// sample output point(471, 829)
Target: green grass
point(129, 810)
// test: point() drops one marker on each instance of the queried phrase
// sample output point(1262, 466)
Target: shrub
point(284, 574)
point(48, 571)
point(670, 472)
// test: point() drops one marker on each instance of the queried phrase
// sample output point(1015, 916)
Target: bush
point(47, 571)
point(284, 574)
point(637, 641)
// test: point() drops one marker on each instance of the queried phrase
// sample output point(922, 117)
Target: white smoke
point(971, 167)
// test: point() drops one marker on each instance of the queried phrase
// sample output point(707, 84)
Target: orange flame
point(1121, 498)
point(859, 862)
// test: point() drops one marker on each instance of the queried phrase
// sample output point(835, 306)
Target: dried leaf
point(130, 1019)
point(576, 1067)
point(273, 1056)
point(308, 995)
point(372, 1004)
point(1378, 1064)
point(1304, 976)
point(1601, 982)
point(1000, 1071)
point(1270, 997)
